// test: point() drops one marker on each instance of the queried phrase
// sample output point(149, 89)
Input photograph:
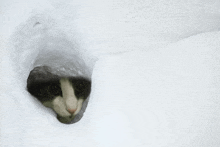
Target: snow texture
point(154, 67)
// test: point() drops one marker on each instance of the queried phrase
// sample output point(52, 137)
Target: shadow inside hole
point(45, 86)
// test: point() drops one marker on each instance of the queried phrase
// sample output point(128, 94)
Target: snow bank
point(143, 94)
point(166, 97)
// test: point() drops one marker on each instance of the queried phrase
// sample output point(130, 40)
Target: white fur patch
point(68, 101)
point(60, 107)
point(80, 102)
point(68, 93)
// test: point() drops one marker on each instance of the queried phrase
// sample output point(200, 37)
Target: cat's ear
point(48, 104)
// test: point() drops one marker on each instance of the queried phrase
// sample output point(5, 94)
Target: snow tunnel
point(44, 56)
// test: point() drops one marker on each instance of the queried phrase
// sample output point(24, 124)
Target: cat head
point(65, 95)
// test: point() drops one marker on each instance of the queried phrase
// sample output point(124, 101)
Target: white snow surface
point(154, 66)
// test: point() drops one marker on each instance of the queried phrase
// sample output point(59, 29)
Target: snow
point(154, 67)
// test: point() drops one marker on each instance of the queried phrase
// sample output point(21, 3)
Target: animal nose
point(72, 111)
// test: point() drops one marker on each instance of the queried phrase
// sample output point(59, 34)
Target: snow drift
point(152, 84)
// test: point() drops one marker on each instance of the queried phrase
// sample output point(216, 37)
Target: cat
point(65, 95)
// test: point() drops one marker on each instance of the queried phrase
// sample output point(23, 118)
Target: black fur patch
point(81, 86)
point(45, 86)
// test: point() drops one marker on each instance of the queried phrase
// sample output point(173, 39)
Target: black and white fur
point(65, 95)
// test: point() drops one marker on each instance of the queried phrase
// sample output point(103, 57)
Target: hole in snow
point(50, 53)
point(46, 87)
